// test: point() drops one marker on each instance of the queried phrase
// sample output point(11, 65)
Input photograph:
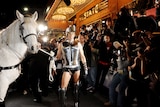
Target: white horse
point(16, 40)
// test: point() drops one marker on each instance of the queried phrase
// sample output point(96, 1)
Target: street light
point(25, 9)
point(42, 28)
point(45, 39)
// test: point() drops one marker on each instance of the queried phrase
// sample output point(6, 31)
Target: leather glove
point(85, 69)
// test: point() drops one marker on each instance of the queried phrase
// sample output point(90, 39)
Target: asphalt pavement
point(18, 99)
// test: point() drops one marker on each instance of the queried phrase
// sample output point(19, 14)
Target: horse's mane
point(8, 34)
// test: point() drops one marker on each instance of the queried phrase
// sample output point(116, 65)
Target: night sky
point(8, 9)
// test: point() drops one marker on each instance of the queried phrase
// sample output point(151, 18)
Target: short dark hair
point(141, 51)
point(83, 27)
point(142, 12)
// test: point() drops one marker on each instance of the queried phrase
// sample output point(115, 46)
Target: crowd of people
point(127, 48)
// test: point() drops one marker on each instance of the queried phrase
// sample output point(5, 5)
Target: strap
point(9, 67)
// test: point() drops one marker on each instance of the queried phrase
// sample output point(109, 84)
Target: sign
point(97, 8)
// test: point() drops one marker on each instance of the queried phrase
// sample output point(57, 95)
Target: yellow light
point(25, 9)
point(59, 17)
point(77, 2)
point(65, 10)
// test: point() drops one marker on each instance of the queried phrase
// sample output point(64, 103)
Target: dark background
point(8, 9)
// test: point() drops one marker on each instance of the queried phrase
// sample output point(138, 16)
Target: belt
point(103, 63)
point(145, 78)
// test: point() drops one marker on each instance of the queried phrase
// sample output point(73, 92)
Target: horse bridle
point(24, 39)
point(21, 28)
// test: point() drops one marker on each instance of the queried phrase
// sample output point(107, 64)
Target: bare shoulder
point(79, 45)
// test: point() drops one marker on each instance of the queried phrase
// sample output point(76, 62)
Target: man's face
point(106, 38)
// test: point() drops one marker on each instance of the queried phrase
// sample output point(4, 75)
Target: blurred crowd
point(126, 49)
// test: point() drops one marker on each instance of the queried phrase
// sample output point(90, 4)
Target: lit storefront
point(99, 10)
point(86, 13)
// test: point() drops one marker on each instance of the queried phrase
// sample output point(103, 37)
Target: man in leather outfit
point(71, 53)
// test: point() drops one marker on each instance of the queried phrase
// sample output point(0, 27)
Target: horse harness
point(9, 67)
point(23, 37)
point(21, 28)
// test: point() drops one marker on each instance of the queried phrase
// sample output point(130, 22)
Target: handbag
point(109, 77)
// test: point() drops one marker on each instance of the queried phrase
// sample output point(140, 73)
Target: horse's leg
point(4, 84)
point(2, 104)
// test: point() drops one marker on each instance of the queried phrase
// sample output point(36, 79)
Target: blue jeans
point(117, 98)
point(91, 78)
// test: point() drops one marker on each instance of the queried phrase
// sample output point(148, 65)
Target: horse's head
point(28, 30)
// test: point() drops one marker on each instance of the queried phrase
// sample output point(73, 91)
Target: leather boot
point(76, 95)
point(63, 97)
